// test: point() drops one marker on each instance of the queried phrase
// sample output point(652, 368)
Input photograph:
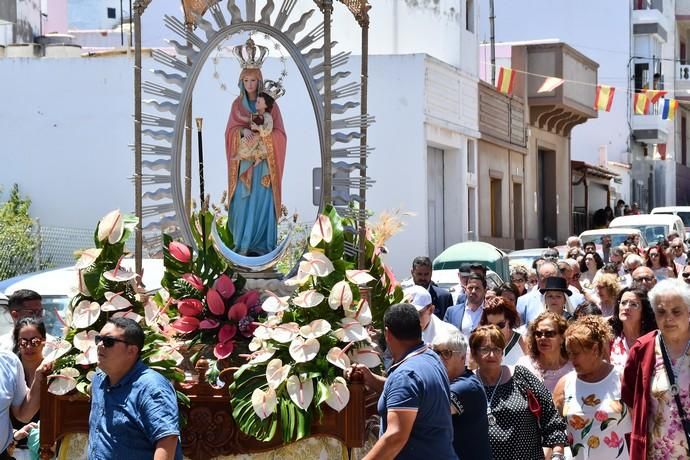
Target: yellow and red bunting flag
point(604, 97)
point(550, 84)
point(504, 83)
point(668, 111)
point(654, 95)
point(641, 104)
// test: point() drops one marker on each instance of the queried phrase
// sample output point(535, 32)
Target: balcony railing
point(683, 72)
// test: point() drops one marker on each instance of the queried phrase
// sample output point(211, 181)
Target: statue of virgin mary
point(254, 184)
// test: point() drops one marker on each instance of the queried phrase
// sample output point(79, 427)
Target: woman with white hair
point(656, 381)
point(467, 399)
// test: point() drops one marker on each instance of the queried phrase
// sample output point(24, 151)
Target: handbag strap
point(676, 394)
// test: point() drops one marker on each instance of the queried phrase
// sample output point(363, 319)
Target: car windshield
point(684, 216)
point(616, 239)
point(652, 233)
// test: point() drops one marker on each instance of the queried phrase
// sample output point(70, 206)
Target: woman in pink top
point(547, 358)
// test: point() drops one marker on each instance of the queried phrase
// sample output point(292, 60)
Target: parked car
point(652, 226)
point(527, 257)
point(58, 286)
point(618, 236)
point(681, 211)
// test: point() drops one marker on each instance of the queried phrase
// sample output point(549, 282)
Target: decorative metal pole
point(139, 8)
point(364, 23)
point(200, 145)
point(327, 9)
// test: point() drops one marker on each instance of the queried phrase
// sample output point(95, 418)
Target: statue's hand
point(247, 134)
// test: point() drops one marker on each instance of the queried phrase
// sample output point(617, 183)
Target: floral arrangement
point(301, 350)
point(210, 305)
point(105, 289)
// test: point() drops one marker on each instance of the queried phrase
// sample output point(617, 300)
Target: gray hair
point(452, 338)
point(547, 263)
point(631, 259)
point(670, 286)
point(573, 241)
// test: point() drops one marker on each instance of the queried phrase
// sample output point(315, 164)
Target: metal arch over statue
point(337, 137)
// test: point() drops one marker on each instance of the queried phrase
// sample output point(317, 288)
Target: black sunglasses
point(545, 334)
point(109, 341)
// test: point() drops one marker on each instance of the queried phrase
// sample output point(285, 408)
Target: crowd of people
point(134, 412)
point(583, 357)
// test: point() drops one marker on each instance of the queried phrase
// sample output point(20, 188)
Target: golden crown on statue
point(250, 55)
point(273, 89)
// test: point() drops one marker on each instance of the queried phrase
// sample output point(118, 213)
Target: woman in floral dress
point(590, 396)
point(657, 359)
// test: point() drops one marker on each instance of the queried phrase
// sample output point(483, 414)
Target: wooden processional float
point(162, 147)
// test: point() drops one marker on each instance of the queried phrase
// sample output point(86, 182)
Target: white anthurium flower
point(338, 394)
point(317, 264)
point(304, 350)
point(275, 304)
point(362, 313)
point(285, 332)
point(308, 299)
point(351, 331)
point(338, 358)
point(359, 277)
point(264, 402)
point(84, 340)
point(90, 356)
point(152, 313)
point(299, 279)
point(81, 284)
point(111, 227)
point(301, 390)
point(90, 375)
point(55, 348)
point(255, 344)
point(128, 314)
point(64, 381)
point(340, 296)
point(276, 373)
point(263, 355)
point(85, 314)
point(265, 329)
point(115, 302)
point(315, 329)
point(87, 258)
point(167, 352)
point(366, 356)
point(119, 275)
point(321, 231)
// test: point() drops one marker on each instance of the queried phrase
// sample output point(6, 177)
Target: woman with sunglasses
point(29, 336)
point(656, 379)
point(658, 262)
point(546, 357)
point(501, 313)
point(467, 400)
point(523, 421)
point(632, 318)
point(590, 396)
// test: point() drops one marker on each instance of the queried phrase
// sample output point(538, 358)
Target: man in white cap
point(431, 324)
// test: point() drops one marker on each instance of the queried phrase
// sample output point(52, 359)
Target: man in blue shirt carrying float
point(134, 412)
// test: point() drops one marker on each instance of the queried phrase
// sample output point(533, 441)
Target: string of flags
point(603, 99)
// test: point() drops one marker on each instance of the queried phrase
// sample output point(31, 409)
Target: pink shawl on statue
point(277, 146)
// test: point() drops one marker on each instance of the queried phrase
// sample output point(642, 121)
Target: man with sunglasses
point(643, 277)
point(134, 412)
point(685, 274)
point(22, 304)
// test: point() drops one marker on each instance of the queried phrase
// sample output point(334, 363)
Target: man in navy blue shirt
point(467, 397)
point(134, 412)
point(415, 398)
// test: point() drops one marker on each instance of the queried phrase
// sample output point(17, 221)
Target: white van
point(57, 287)
point(681, 211)
point(652, 226)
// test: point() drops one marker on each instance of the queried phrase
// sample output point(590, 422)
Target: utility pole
point(492, 20)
